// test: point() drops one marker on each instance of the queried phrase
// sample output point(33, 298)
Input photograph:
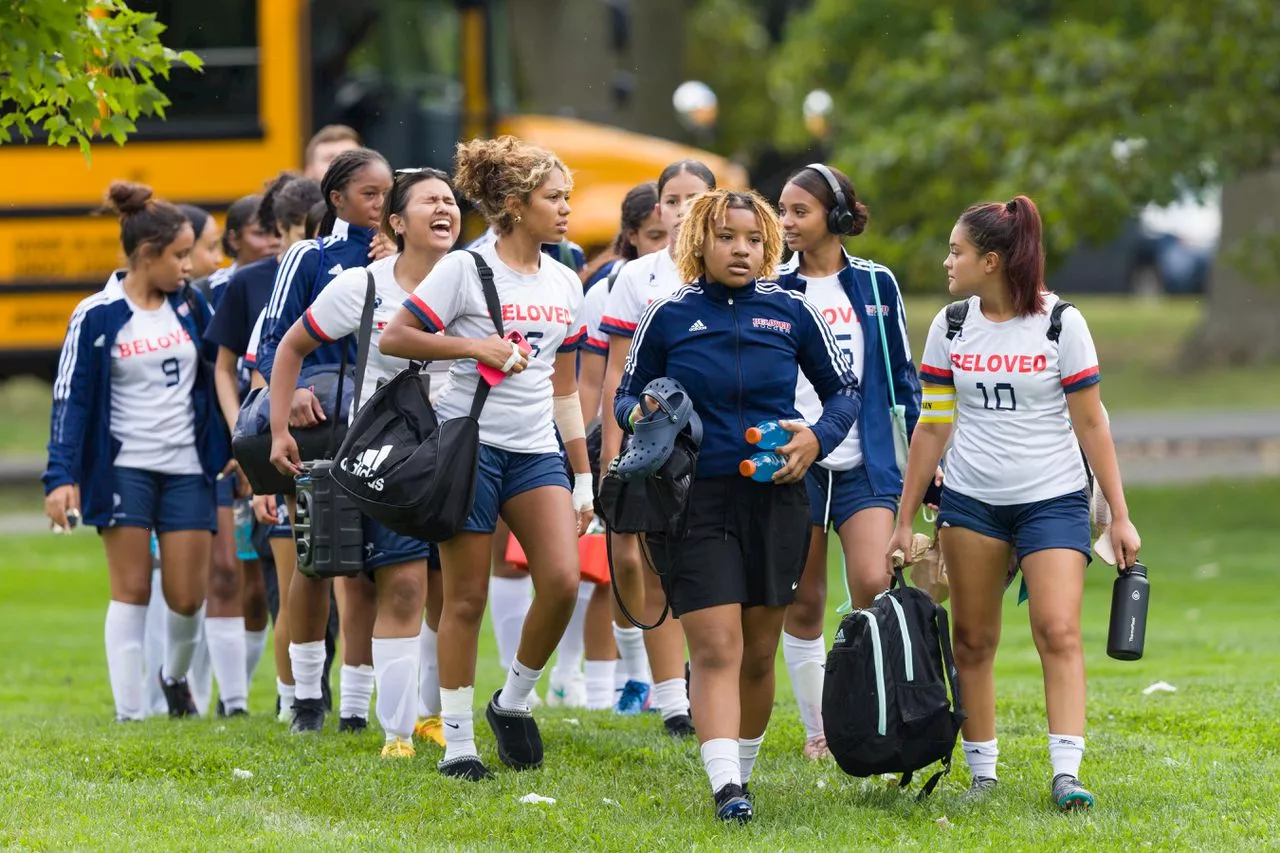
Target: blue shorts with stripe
point(837, 496)
point(1061, 522)
point(165, 503)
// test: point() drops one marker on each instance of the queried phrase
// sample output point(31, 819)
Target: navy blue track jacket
point(736, 351)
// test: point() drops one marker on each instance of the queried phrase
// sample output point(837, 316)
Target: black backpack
point(404, 468)
point(885, 707)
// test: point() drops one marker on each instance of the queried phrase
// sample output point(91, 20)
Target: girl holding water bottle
point(855, 489)
point(1019, 393)
point(736, 344)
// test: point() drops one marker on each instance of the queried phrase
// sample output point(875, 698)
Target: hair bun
point(127, 198)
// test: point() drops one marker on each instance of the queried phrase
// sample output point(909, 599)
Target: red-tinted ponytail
point(1013, 231)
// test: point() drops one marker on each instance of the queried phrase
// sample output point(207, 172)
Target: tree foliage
point(78, 70)
point(1092, 108)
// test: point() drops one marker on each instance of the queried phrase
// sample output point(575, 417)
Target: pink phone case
point(493, 375)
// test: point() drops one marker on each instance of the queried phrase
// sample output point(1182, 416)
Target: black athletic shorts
point(746, 544)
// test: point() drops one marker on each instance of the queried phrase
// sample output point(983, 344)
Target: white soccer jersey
point(153, 372)
point(544, 307)
point(337, 310)
point(641, 283)
point(593, 304)
point(828, 296)
point(251, 350)
point(1012, 441)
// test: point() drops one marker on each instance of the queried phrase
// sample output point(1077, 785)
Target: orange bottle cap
point(746, 467)
point(754, 435)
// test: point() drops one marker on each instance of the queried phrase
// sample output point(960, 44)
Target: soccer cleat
point(308, 716)
point(979, 788)
point(681, 725)
point(431, 728)
point(398, 748)
point(468, 767)
point(815, 748)
point(352, 725)
point(732, 804)
point(1069, 794)
point(634, 698)
point(177, 695)
point(519, 741)
point(237, 712)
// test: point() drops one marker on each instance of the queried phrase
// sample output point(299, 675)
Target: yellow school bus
point(412, 76)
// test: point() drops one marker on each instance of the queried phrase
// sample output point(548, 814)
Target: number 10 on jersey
point(1005, 399)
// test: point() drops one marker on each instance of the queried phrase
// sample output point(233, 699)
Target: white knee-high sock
point(428, 672)
point(180, 643)
point(509, 601)
point(720, 759)
point(633, 660)
point(200, 672)
point(157, 612)
point(459, 728)
point(255, 645)
point(307, 662)
point(671, 697)
point(355, 685)
point(395, 666)
point(124, 632)
point(573, 644)
point(225, 638)
point(805, 660)
point(748, 751)
point(600, 684)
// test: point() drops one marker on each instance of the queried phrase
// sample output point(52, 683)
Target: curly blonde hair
point(489, 171)
point(711, 208)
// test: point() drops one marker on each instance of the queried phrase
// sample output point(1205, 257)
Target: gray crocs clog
point(654, 433)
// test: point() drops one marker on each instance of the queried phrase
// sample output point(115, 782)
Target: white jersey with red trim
point(828, 296)
point(593, 304)
point(642, 282)
point(545, 308)
point(1012, 441)
point(153, 372)
point(337, 310)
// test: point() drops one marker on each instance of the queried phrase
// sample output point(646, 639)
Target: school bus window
point(221, 101)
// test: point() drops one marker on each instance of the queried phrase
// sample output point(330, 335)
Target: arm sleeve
point(71, 392)
point(906, 385)
point(592, 313)
point(336, 311)
point(935, 364)
point(831, 373)
point(1077, 357)
point(623, 307)
point(295, 280)
point(439, 299)
point(646, 362)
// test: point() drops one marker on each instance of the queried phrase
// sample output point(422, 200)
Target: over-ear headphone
point(840, 217)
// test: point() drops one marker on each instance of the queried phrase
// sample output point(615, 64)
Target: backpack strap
point(1055, 319)
point(364, 339)
point(956, 313)
point(495, 314)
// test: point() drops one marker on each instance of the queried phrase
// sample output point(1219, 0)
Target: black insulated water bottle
point(1129, 597)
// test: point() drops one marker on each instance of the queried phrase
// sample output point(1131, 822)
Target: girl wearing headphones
point(855, 489)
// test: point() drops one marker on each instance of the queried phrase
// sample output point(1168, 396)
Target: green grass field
point(1195, 769)
point(1138, 343)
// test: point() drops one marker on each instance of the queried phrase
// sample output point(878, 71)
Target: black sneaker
point(177, 694)
point(468, 767)
point(519, 741)
point(308, 716)
point(979, 788)
point(732, 804)
point(238, 712)
point(1070, 795)
point(681, 725)
point(354, 725)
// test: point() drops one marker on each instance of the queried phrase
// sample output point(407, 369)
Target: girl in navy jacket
point(855, 489)
point(136, 444)
point(736, 344)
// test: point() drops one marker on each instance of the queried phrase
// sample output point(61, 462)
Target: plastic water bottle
point(768, 435)
point(1129, 599)
point(243, 514)
point(761, 467)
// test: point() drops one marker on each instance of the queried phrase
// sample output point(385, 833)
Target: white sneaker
point(569, 694)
